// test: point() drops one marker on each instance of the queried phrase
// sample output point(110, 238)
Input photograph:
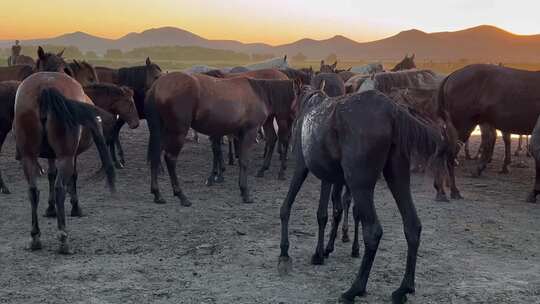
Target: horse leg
point(246, 141)
point(174, 144)
point(346, 199)
point(230, 141)
point(51, 176)
point(284, 137)
point(30, 172)
point(528, 146)
point(63, 177)
point(271, 139)
point(3, 188)
point(438, 184)
point(337, 213)
point(467, 151)
point(507, 153)
point(520, 146)
point(322, 219)
point(74, 197)
point(397, 177)
point(454, 191)
point(489, 137)
point(118, 163)
point(300, 174)
point(217, 159)
point(364, 211)
point(531, 197)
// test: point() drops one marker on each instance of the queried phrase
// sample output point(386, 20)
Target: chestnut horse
point(503, 98)
point(215, 107)
point(55, 119)
point(17, 72)
point(341, 146)
point(139, 79)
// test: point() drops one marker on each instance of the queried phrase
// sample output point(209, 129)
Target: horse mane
point(295, 74)
point(215, 74)
point(134, 77)
point(107, 89)
point(278, 94)
point(334, 84)
point(384, 82)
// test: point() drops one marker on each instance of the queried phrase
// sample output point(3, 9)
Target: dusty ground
point(484, 249)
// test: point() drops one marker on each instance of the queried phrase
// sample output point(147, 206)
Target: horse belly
point(227, 118)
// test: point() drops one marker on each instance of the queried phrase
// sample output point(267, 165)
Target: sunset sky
point(274, 22)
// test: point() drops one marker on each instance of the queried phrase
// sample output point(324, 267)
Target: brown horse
point(215, 107)
point(21, 60)
point(284, 124)
point(83, 72)
point(327, 68)
point(8, 89)
point(406, 64)
point(18, 72)
point(502, 97)
point(137, 78)
point(55, 119)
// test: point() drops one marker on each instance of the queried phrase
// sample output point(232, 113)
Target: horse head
point(49, 62)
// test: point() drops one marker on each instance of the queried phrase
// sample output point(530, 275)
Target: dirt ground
point(484, 249)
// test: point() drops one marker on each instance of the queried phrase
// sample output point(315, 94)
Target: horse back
point(107, 75)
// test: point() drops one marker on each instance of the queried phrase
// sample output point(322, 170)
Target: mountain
point(481, 43)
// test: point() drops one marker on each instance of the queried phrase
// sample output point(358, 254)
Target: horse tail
point(154, 125)
point(70, 114)
point(414, 136)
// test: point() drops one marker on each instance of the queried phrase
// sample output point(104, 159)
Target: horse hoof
point(442, 198)
point(64, 246)
point(317, 259)
point(456, 195)
point(219, 179)
point(160, 201)
point(344, 299)
point(248, 201)
point(50, 212)
point(76, 212)
point(531, 198)
point(118, 165)
point(327, 252)
point(284, 265)
point(400, 296)
point(355, 253)
point(35, 244)
point(345, 238)
point(281, 176)
point(210, 181)
point(260, 173)
point(5, 190)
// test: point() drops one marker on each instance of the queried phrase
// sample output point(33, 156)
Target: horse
point(406, 63)
point(21, 60)
point(83, 72)
point(274, 63)
point(303, 77)
point(8, 89)
point(368, 69)
point(334, 85)
point(507, 100)
point(215, 107)
point(55, 119)
point(17, 72)
point(139, 79)
point(284, 125)
point(327, 68)
point(340, 146)
point(427, 83)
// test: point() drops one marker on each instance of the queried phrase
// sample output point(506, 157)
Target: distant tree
point(185, 53)
point(300, 57)
point(90, 55)
point(113, 54)
point(330, 59)
point(69, 51)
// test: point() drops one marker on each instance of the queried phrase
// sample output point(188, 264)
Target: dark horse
point(17, 72)
point(406, 64)
point(8, 89)
point(215, 107)
point(55, 119)
point(340, 146)
point(139, 79)
point(503, 98)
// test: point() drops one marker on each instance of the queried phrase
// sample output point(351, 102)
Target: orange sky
point(275, 22)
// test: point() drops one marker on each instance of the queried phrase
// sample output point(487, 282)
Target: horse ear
point(148, 61)
point(77, 64)
point(349, 69)
point(41, 53)
point(323, 85)
point(61, 53)
point(285, 58)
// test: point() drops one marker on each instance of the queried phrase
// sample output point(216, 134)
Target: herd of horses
point(346, 127)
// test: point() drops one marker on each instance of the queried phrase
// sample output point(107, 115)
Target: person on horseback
point(15, 52)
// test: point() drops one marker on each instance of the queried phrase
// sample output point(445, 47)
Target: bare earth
point(484, 249)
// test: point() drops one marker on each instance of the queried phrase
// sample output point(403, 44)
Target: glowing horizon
point(278, 22)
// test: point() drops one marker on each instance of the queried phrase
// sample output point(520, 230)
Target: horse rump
point(71, 114)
